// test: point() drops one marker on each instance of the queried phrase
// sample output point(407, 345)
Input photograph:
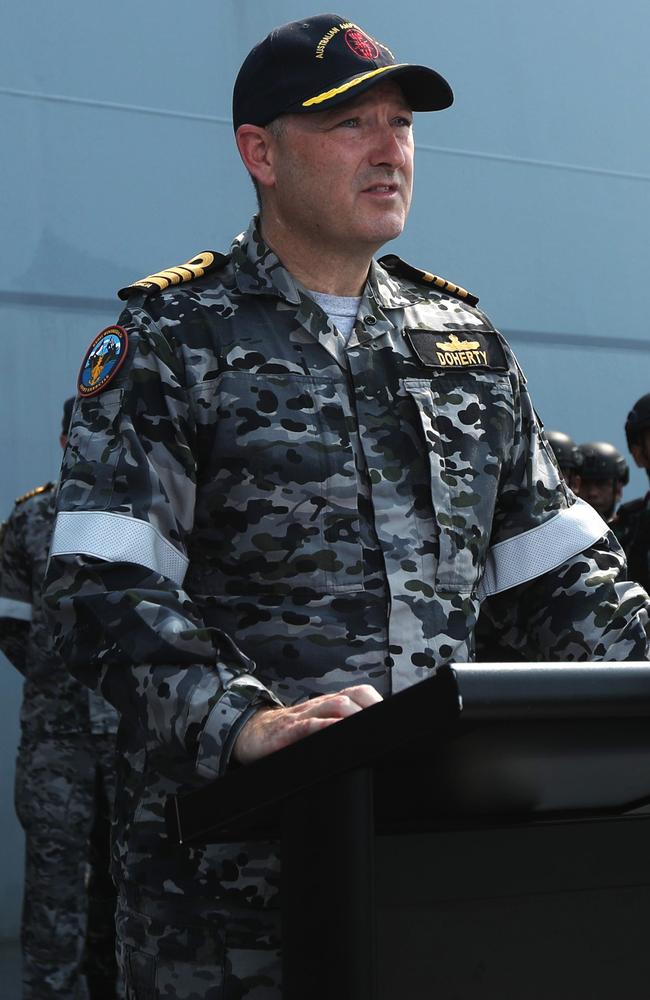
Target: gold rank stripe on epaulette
point(199, 265)
point(396, 266)
point(34, 493)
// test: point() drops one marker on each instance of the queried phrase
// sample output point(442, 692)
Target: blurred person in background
point(65, 777)
point(603, 474)
point(631, 524)
point(568, 455)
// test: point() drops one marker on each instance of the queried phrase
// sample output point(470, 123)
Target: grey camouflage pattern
point(68, 927)
point(65, 781)
point(336, 504)
point(198, 952)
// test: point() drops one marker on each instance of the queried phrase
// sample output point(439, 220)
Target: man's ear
point(640, 456)
point(256, 147)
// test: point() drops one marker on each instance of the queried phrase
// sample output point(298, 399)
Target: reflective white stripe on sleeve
point(117, 538)
point(542, 549)
point(20, 610)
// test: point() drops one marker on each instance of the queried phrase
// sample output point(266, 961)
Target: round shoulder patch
point(103, 360)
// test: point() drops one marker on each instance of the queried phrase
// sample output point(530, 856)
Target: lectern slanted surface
point(515, 740)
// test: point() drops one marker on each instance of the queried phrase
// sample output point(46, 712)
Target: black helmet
point(601, 460)
point(565, 449)
point(638, 419)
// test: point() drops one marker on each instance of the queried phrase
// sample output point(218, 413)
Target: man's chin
point(384, 231)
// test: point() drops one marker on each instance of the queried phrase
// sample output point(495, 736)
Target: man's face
point(602, 494)
point(343, 177)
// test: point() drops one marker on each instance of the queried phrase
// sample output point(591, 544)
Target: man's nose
point(388, 148)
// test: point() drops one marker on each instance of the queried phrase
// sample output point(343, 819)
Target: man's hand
point(271, 729)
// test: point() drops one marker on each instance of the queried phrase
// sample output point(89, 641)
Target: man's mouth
point(381, 189)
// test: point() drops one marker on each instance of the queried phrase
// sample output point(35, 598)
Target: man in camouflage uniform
point(631, 525)
point(65, 777)
point(291, 485)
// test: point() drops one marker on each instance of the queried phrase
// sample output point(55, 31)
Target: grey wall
point(533, 191)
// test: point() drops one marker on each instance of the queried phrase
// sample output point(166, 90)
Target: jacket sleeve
point(15, 593)
point(125, 509)
point(555, 586)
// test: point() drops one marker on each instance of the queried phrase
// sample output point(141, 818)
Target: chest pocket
point(467, 422)
point(277, 508)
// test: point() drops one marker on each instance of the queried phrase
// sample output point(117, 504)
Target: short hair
point(276, 128)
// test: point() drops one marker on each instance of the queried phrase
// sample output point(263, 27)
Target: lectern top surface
point(521, 740)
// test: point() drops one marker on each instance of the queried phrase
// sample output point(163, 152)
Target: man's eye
point(349, 123)
point(403, 122)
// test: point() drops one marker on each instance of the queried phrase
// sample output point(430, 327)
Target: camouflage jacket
point(631, 525)
point(253, 510)
point(54, 703)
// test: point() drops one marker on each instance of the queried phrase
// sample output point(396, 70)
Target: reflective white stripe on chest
point(117, 538)
point(542, 549)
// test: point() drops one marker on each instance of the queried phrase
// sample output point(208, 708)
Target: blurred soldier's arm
point(15, 592)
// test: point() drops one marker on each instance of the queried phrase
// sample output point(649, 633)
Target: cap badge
point(361, 44)
point(102, 361)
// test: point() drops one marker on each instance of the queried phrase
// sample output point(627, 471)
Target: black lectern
point(481, 835)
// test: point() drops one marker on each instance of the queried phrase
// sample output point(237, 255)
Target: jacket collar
point(258, 271)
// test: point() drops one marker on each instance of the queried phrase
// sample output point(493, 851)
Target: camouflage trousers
point(63, 793)
point(190, 950)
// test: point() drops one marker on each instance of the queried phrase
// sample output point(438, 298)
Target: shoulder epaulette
point(202, 263)
point(34, 493)
point(396, 266)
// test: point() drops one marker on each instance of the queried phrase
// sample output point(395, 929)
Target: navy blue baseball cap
point(320, 62)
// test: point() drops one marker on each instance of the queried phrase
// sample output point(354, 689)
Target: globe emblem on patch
point(104, 357)
point(361, 44)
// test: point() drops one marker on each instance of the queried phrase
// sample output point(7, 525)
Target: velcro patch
point(457, 350)
point(102, 361)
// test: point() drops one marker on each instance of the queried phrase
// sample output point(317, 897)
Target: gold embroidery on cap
point(347, 86)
